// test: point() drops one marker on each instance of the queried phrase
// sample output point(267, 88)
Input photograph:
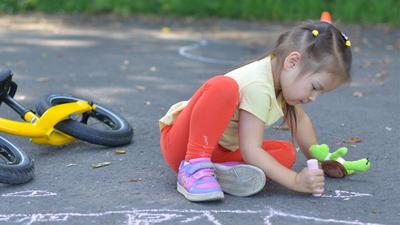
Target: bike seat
point(7, 86)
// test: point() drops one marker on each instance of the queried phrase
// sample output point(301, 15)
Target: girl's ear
point(292, 61)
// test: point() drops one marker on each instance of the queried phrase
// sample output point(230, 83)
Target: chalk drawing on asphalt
point(185, 52)
point(345, 195)
point(39, 193)
point(170, 216)
point(29, 194)
point(156, 216)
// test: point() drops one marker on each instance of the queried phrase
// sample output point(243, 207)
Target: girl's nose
point(313, 96)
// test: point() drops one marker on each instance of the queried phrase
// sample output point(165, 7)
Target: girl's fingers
point(318, 191)
point(318, 172)
point(316, 179)
point(318, 185)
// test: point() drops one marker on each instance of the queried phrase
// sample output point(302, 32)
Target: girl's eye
point(313, 87)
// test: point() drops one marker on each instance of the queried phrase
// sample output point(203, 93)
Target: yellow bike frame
point(41, 129)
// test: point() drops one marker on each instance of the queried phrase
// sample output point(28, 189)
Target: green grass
point(350, 11)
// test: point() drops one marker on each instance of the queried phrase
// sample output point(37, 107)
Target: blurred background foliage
point(348, 11)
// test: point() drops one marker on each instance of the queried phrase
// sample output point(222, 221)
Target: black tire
point(16, 167)
point(114, 130)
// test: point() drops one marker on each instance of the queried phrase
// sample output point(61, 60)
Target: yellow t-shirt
point(257, 96)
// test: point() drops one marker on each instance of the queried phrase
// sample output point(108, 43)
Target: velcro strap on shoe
point(197, 166)
point(203, 173)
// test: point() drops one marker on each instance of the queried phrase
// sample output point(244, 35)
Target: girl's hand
point(310, 181)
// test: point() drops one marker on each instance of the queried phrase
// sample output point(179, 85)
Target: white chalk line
point(39, 193)
point(153, 216)
point(345, 194)
point(29, 194)
point(185, 52)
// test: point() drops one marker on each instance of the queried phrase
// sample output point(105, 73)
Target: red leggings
point(196, 131)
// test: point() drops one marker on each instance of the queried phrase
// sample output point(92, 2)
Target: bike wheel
point(100, 126)
point(16, 167)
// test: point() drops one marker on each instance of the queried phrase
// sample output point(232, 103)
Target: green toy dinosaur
point(334, 165)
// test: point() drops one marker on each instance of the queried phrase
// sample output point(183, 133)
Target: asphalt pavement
point(139, 67)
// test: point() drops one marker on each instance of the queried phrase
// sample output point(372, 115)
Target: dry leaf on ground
point(280, 127)
point(353, 140)
point(166, 30)
point(120, 151)
point(381, 74)
point(135, 180)
point(358, 94)
point(101, 164)
point(140, 87)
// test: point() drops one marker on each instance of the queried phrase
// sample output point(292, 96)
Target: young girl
point(215, 140)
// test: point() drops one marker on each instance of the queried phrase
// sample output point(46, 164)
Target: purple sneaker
point(240, 179)
point(197, 181)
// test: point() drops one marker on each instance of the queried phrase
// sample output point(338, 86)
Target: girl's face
point(301, 88)
point(305, 88)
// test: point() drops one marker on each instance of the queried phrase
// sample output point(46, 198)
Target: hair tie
point(347, 41)
point(315, 32)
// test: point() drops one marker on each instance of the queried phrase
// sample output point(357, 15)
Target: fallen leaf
point(71, 164)
point(120, 151)
point(140, 87)
point(353, 140)
point(369, 63)
point(388, 128)
point(165, 30)
point(358, 94)
point(280, 127)
point(43, 79)
point(102, 164)
point(135, 180)
point(381, 74)
point(148, 103)
point(153, 69)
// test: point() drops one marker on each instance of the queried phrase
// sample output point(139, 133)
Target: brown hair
point(326, 49)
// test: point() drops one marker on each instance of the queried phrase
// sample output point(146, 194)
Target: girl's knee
point(283, 151)
point(226, 87)
point(227, 81)
point(290, 153)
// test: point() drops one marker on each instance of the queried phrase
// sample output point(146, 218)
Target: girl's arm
point(305, 135)
point(251, 135)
